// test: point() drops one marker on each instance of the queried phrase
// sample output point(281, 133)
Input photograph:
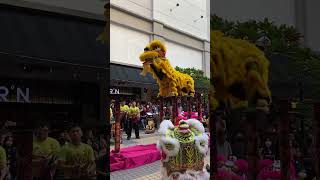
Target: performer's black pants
point(123, 123)
point(134, 125)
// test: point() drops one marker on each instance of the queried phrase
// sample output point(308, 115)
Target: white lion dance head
point(183, 148)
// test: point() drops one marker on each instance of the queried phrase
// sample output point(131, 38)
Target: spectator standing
point(143, 115)
point(11, 153)
point(111, 114)
point(63, 139)
point(223, 146)
point(239, 146)
point(44, 153)
point(76, 158)
point(267, 151)
point(3, 163)
point(89, 139)
point(298, 162)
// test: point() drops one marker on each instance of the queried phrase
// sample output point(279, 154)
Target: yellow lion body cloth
point(171, 82)
point(239, 72)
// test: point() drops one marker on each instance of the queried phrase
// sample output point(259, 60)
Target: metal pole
point(252, 144)
point(161, 109)
point(174, 109)
point(189, 107)
point(316, 121)
point(24, 151)
point(213, 142)
point(117, 127)
point(199, 106)
point(284, 141)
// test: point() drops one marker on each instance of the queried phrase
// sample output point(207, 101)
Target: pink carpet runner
point(135, 156)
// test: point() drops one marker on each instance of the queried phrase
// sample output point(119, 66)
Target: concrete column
point(208, 18)
point(284, 140)
point(158, 31)
point(300, 18)
point(206, 59)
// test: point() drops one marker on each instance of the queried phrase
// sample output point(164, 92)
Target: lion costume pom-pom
point(170, 81)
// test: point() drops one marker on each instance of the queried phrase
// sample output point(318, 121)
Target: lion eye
point(157, 48)
point(146, 49)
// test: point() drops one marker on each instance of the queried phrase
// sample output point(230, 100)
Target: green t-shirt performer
point(76, 159)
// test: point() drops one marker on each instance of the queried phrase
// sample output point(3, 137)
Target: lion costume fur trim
point(174, 82)
point(174, 143)
point(202, 143)
point(195, 124)
point(188, 175)
point(237, 61)
point(164, 126)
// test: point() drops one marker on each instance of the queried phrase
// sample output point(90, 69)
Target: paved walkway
point(146, 172)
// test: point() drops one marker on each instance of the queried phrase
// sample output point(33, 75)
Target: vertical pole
point(302, 128)
point(177, 107)
point(117, 126)
point(252, 144)
point(213, 141)
point(24, 137)
point(284, 141)
point(199, 107)
point(161, 109)
point(189, 107)
point(172, 113)
point(174, 109)
point(24, 150)
point(316, 122)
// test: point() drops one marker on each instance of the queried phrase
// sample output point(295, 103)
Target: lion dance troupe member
point(134, 117)
point(76, 158)
point(44, 154)
point(3, 163)
point(124, 109)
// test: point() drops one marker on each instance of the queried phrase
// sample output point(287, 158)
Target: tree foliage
point(202, 83)
point(197, 75)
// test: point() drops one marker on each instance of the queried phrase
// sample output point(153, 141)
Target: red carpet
point(135, 156)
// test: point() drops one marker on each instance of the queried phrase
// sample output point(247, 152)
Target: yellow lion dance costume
point(170, 81)
point(239, 72)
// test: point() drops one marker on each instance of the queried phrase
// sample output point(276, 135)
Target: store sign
point(114, 91)
point(19, 94)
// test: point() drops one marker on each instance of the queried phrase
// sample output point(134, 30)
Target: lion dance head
point(239, 72)
point(170, 81)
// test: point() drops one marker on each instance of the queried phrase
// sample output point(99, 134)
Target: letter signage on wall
point(114, 91)
point(18, 94)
